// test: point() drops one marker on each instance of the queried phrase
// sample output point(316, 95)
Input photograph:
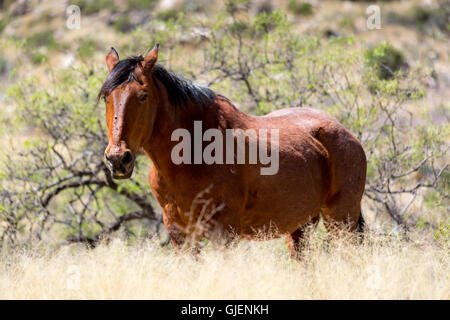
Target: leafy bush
point(300, 8)
point(3, 24)
point(166, 15)
point(385, 60)
point(58, 184)
point(42, 39)
point(93, 6)
point(123, 24)
point(431, 20)
point(4, 65)
point(443, 233)
point(38, 57)
point(87, 47)
point(141, 4)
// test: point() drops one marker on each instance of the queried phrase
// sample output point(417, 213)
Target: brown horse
point(322, 166)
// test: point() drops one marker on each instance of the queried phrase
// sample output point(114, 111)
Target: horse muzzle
point(121, 165)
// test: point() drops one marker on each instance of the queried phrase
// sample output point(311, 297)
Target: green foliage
point(421, 15)
point(442, 233)
point(3, 23)
point(426, 17)
point(94, 6)
point(431, 20)
point(385, 60)
point(123, 24)
point(141, 4)
point(38, 57)
point(168, 14)
point(87, 47)
point(4, 65)
point(41, 39)
point(60, 173)
point(347, 22)
point(300, 7)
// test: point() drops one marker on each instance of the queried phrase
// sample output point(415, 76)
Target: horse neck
point(220, 114)
point(169, 118)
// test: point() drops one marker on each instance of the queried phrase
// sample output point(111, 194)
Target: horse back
point(346, 158)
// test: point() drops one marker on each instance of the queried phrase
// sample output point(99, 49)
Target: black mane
point(180, 90)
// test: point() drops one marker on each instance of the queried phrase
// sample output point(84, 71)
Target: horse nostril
point(127, 158)
point(108, 159)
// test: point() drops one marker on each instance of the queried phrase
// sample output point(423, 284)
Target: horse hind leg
point(343, 212)
point(295, 240)
point(347, 175)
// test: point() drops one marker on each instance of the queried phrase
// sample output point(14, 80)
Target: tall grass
point(380, 268)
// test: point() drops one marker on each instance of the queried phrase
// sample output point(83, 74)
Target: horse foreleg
point(181, 241)
point(295, 240)
point(179, 234)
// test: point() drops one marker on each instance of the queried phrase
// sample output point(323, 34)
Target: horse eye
point(143, 98)
point(104, 99)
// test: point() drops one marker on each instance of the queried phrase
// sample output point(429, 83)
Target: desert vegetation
point(390, 87)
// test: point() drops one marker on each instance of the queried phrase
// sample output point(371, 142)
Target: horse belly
point(283, 202)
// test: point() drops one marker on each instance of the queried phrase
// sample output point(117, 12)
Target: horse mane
point(180, 90)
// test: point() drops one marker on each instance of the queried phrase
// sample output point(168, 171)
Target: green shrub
point(347, 22)
point(300, 8)
point(94, 6)
point(141, 4)
point(71, 130)
point(123, 24)
point(166, 15)
point(427, 19)
point(3, 24)
point(87, 48)
point(385, 60)
point(442, 233)
point(38, 57)
point(4, 65)
point(42, 39)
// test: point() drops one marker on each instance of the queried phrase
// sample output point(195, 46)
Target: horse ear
point(112, 58)
point(151, 58)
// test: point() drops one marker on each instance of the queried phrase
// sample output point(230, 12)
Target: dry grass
point(381, 268)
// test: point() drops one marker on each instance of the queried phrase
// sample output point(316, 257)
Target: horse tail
point(361, 227)
point(361, 222)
